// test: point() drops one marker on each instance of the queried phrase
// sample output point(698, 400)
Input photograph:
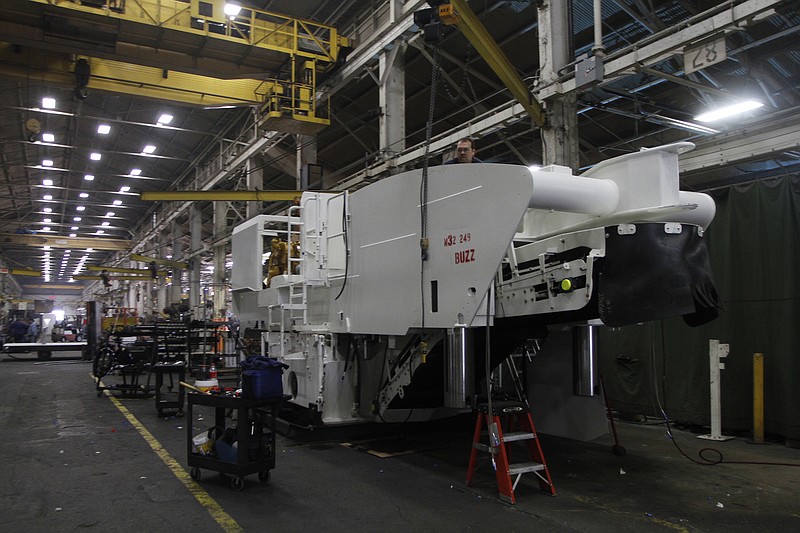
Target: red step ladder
point(520, 427)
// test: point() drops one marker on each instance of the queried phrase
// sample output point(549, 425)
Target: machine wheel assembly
point(196, 474)
point(264, 476)
point(237, 483)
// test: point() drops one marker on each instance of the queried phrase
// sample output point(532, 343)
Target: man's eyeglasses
point(464, 150)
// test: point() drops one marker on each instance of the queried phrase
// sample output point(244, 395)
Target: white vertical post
point(716, 353)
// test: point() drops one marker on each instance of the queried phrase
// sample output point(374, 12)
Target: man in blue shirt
point(465, 152)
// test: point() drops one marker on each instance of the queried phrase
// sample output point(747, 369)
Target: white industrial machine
point(381, 303)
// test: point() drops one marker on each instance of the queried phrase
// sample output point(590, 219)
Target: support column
point(196, 243)
point(219, 287)
point(392, 101)
point(176, 289)
point(306, 155)
point(255, 182)
point(161, 283)
point(560, 133)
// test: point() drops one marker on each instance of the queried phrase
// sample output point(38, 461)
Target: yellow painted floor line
point(226, 521)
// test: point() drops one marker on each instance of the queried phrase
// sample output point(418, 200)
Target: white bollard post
point(716, 353)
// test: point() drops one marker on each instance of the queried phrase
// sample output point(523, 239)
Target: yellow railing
point(252, 27)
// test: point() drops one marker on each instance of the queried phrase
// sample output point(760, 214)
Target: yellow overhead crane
point(176, 45)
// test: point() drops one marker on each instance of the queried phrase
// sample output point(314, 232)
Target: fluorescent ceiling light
point(124, 188)
point(46, 228)
point(136, 172)
point(232, 10)
point(88, 177)
point(80, 208)
point(74, 228)
point(47, 197)
point(100, 232)
point(94, 156)
point(49, 103)
point(84, 195)
point(47, 220)
point(47, 183)
point(76, 219)
point(72, 235)
point(103, 129)
point(106, 223)
point(48, 138)
point(47, 162)
point(728, 111)
point(149, 149)
point(117, 202)
point(165, 119)
point(110, 214)
point(47, 210)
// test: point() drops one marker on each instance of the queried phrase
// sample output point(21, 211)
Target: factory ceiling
point(69, 184)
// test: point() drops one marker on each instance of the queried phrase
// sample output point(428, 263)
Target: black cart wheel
point(103, 362)
point(264, 476)
point(237, 483)
point(196, 473)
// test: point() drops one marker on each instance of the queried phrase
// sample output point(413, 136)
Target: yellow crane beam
point(50, 286)
point(57, 241)
point(165, 262)
point(24, 272)
point(127, 78)
point(120, 270)
point(458, 13)
point(89, 277)
point(213, 196)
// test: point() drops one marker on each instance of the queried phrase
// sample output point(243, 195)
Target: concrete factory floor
point(73, 461)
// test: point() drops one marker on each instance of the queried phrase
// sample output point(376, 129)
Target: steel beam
point(214, 196)
point(671, 41)
point(165, 262)
point(119, 270)
point(57, 241)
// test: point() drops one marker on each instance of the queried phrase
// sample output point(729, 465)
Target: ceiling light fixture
point(84, 195)
point(728, 111)
point(124, 188)
point(94, 156)
point(88, 177)
point(105, 223)
point(80, 208)
point(76, 219)
point(47, 197)
point(47, 220)
point(136, 172)
point(110, 214)
point(100, 232)
point(103, 129)
point(47, 162)
point(47, 183)
point(117, 202)
point(74, 228)
point(164, 119)
point(231, 10)
point(47, 210)
point(48, 103)
point(46, 228)
point(48, 138)
point(73, 235)
point(148, 149)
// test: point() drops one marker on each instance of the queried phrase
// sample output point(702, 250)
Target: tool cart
point(254, 452)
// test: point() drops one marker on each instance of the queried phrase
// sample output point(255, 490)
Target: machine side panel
point(473, 212)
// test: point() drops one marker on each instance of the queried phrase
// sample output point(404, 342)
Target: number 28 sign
point(704, 55)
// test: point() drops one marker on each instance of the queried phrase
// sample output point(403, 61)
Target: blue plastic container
point(262, 384)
